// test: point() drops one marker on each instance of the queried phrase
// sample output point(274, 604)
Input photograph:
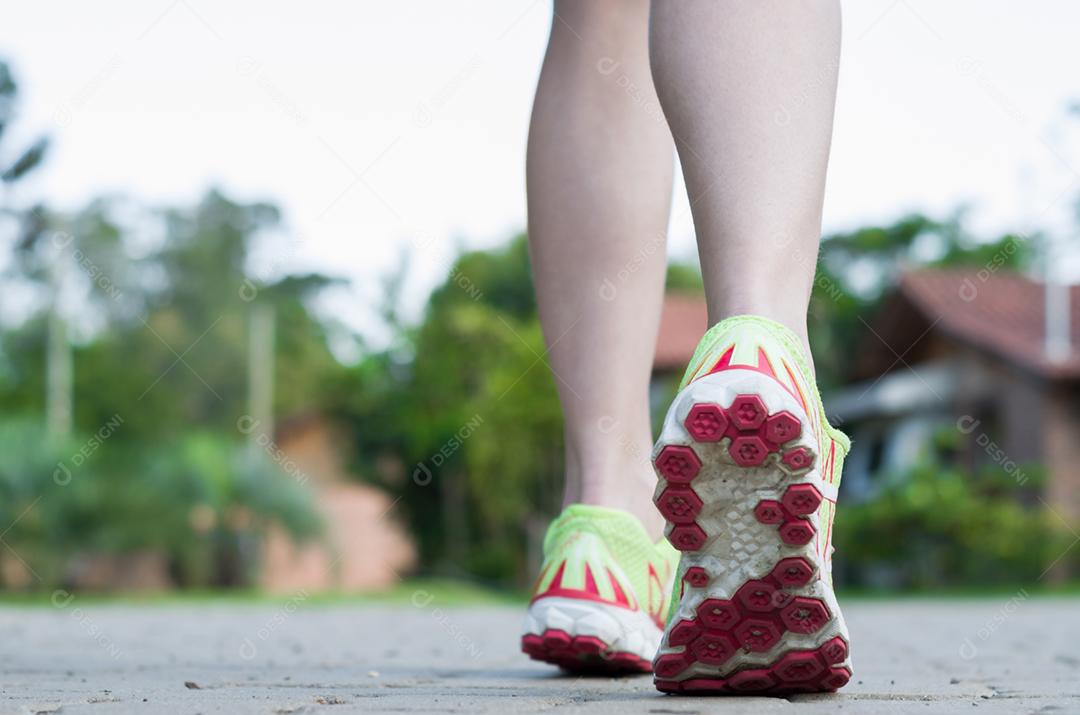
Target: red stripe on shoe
point(763, 366)
point(591, 592)
point(620, 595)
point(590, 582)
point(802, 398)
point(656, 598)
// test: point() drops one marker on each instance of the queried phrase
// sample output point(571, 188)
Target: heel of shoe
point(732, 424)
point(581, 636)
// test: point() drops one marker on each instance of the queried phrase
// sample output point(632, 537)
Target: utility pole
point(58, 362)
point(261, 372)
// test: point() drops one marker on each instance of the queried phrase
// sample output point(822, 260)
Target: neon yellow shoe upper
point(750, 342)
point(604, 555)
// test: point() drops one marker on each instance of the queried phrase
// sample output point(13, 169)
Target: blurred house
point(365, 547)
point(967, 351)
point(683, 320)
point(958, 350)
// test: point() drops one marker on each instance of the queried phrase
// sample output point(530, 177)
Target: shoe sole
point(582, 636)
point(740, 486)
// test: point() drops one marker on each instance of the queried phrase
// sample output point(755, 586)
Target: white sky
point(379, 124)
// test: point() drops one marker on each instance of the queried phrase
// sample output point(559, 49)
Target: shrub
point(938, 526)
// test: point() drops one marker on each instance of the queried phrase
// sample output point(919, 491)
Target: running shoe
point(603, 591)
point(749, 469)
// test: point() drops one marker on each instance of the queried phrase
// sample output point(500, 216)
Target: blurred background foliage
point(159, 359)
point(938, 526)
point(455, 414)
point(152, 306)
point(478, 351)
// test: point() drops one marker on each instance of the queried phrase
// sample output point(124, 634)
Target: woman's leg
point(599, 186)
point(748, 89)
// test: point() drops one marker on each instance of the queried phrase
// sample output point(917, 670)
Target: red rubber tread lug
point(671, 664)
point(692, 685)
point(718, 614)
point(706, 422)
point(687, 537)
point(557, 640)
point(590, 645)
point(532, 643)
point(757, 634)
point(805, 615)
point(834, 650)
point(748, 450)
point(684, 632)
point(678, 463)
point(782, 427)
point(581, 654)
point(752, 680)
point(835, 679)
point(696, 577)
point(797, 532)
point(679, 504)
point(756, 596)
point(798, 666)
point(801, 499)
point(792, 572)
point(769, 511)
point(713, 647)
point(747, 412)
point(798, 458)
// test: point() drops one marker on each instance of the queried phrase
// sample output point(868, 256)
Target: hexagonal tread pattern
point(798, 501)
point(756, 617)
point(761, 611)
point(753, 434)
point(797, 671)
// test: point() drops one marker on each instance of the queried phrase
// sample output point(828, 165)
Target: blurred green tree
point(180, 302)
point(159, 305)
point(464, 408)
point(459, 415)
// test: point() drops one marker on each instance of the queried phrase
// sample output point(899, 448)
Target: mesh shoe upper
point(605, 555)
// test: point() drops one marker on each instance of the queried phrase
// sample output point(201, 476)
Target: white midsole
point(622, 629)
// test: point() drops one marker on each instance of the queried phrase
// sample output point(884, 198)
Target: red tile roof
point(1002, 313)
point(682, 323)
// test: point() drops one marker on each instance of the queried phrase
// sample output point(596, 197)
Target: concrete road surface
point(994, 655)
